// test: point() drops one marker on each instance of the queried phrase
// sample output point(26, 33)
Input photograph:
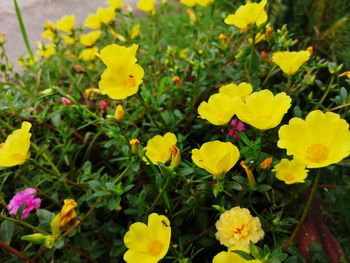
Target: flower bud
point(175, 156)
point(55, 224)
point(223, 38)
point(119, 113)
point(176, 80)
point(37, 238)
point(268, 32)
point(249, 173)
point(265, 164)
point(66, 101)
point(103, 105)
point(134, 143)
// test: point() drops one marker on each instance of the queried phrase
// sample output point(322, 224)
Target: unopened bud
point(310, 49)
point(103, 105)
point(176, 80)
point(268, 32)
point(119, 113)
point(265, 164)
point(175, 156)
point(134, 143)
point(37, 238)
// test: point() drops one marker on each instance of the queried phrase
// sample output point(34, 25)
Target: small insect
point(131, 76)
point(164, 223)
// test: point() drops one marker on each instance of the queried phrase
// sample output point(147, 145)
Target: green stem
point(120, 177)
point(268, 75)
point(22, 28)
point(162, 190)
point(289, 84)
point(20, 222)
point(329, 87)
point(291, 239)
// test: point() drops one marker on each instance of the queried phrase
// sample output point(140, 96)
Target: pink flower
point(27, 196)
point(66, 101)
point(236, 125)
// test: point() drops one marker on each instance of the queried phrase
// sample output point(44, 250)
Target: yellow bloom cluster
point(66, 24)
point(123, 76)
point(102, 16)
point(237, 227)
point(15, 150)
point(90, 38)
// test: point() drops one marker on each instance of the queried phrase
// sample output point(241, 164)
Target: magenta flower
point(27, 196)
point(236, 125)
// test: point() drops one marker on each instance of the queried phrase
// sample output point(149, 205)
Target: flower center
point(129, 82)
point(316, 153)
point(288, 176)
point(238, 230)
point(155, 247)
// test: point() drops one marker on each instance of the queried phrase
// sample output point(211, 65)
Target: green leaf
point(7, 229)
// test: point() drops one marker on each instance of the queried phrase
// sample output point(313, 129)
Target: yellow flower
point(250, 13)
point(116, 4)
point(88, 54)
point(188, 3)
point(26, 61)
point(68, 213)
point(48, 34)
point(146, 5)
point(204, 2)
point(46, 51)
point(66, 23)
point(219, 109)
point(135, 31)
point(237, 227)
point(232, 257)
point(262, 109)
point(320, 140)
point(158, 148)
point(148, 243)
point(15, 149)
point(68, 40)
point(49, 25)
point(93, 21)
point(123, 76)
point(241, 90)
point(216, 157)
point(90, 38)
point(106, 15)
point(290, 172)
point(290, 62)
point(119, 113)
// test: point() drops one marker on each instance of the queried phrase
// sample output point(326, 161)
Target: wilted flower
point(66, 23)
point(123, 76)
point(250, 13)
point(216, 157)
point(290, 172)
point(66, 101)
point(146, 5)
point(176, 80)
point(290, 62)
point(15, 150)
point(88, 54)
point(262, 109)
point(265, 164)
point(175, 156)
point(191, 15)
point(219, 109)
point(237, 227)
point(320, 140)
point(119, 113)
point(103, 105)
point(68, 213)
point(223, 38)
point(27, 197)
point(158, 148)
point(90, 38)
point(148, 243)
